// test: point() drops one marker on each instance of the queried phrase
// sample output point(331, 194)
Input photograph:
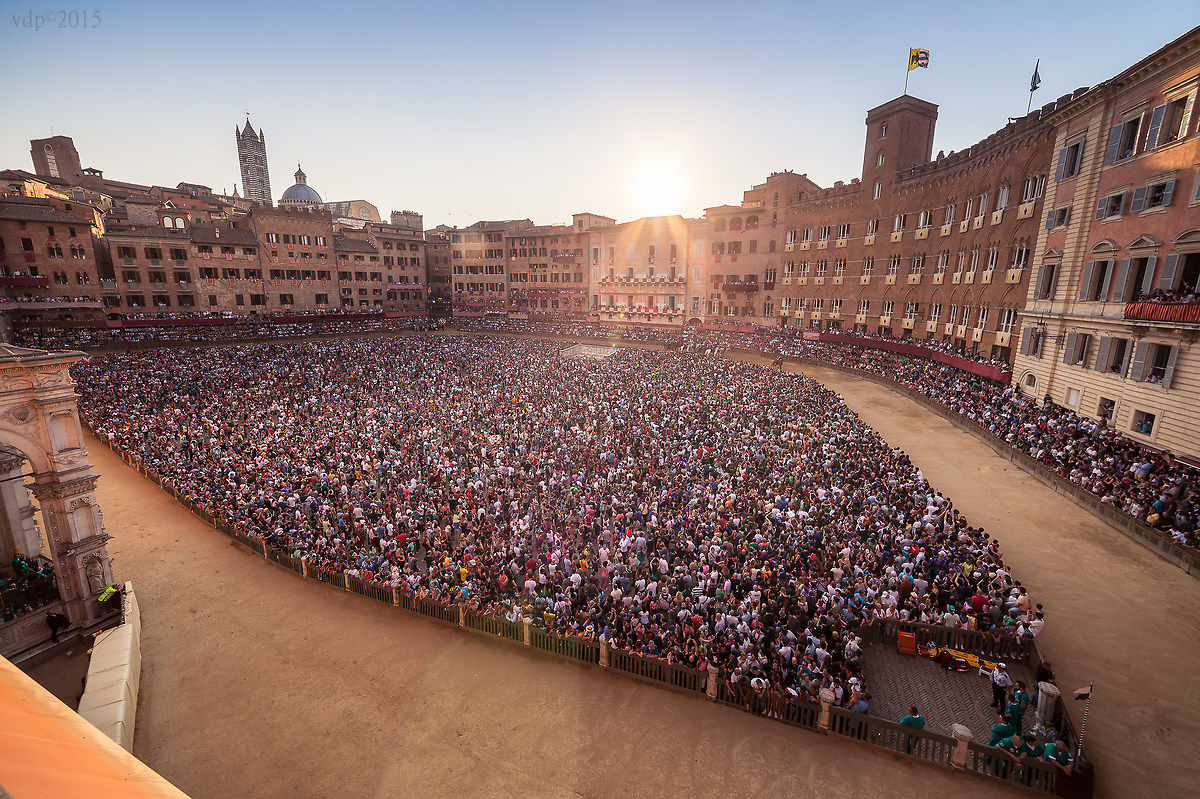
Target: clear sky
point(491, 110)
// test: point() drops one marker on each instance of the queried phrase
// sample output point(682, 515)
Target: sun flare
point(658, 189)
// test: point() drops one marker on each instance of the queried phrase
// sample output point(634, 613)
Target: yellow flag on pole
point(918, 58)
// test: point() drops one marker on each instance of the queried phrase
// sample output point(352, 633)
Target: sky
point(490, 110)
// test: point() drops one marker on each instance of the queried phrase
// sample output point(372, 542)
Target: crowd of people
point(31, 585)
point(244, 328)
point(688, 507)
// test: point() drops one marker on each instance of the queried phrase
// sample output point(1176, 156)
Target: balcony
point(24, 281)
point(1177, 312)
point(51, 306)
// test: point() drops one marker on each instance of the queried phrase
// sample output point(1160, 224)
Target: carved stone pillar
point(75, 531)
point(18, 523)
point(964, 736)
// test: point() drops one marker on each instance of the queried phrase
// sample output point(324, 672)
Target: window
point(1106, 408)
point(935, 312)
point(1058, 217)
point(899, 223)
point(878, 190)
point(1123, 141)
point(1156, 195)
point(1112, 205)
point(1002, 198)
point(910, 310)
point(1020, 257)
point(1033, 188)
point(923, 219)
point(843, 231)
point(1073, 396)
point(889, 307)
point(1097, 276)
point(882, 133)
point(880, 159)
point(1154, 363)
point(1142, 422)
point(872, 227)
point(993, 257)
point(868, 266)
point(1070, 158)
point(981, 322)
point(1174, 121)
point(949, 218)
point(1008, 318)
point(864, 306)
point(1076, 349)
point(1113, 356)
point(1032, 339)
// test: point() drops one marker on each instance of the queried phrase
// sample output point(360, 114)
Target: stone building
point(645, 271)
point(439, 270)
point(547, 267)
point(1112, 316)
point(50, 260)
point(478, 266)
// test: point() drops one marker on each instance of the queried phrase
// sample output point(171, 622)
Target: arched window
point(719, 224)
point(167, 222)
point(751, 223)
point(179, 221)
point(735, 223)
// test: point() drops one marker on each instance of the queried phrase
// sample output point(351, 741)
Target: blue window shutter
point(1114, 143)
point(1050, 219)
point(1156, 119)
point(1170, 266)
point(1069, 349)
point(1108, 276)
point(1168, 191)
point(1101, 204)
point(1123, 291)
point(1062, 164)
point(1139, 361)
point(1174, 356)
point(1148, 279)
point(1139, 199)
point(1101, 364)
point(1086, 284)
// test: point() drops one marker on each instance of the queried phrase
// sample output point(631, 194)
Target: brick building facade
point(478, 266)
point(1122, 226)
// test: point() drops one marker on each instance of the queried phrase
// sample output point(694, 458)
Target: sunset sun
point(657, 188)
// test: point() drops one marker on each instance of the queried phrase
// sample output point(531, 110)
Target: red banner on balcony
point(1164, 311)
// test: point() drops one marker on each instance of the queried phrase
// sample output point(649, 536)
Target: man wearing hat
point(1000, 684)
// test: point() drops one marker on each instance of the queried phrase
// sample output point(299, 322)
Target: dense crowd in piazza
point(1149, 485)
point(689, 507)
point(264, 328)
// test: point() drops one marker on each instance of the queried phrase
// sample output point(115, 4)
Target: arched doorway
point(54, 557)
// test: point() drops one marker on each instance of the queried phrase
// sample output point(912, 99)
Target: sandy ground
point(258, 684)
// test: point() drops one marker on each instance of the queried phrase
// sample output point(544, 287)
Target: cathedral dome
point(301, 192)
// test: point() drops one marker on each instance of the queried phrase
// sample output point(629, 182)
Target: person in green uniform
point(1011, 747)
point(915, 720)
point(1013, 713)
point(1056, 752)
point(1000, 730)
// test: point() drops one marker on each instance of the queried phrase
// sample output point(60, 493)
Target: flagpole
point(1083, 724)
point(1033, 86)
point(906, 74)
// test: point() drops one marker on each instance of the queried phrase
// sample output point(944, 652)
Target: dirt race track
point(258, 684)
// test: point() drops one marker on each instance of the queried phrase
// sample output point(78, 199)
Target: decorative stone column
point(964, 736)
point(604, 653)
point(39, 418)
point(1048, 694)
point(526, 622)
point(826, 696)
point(714, 678)
point(77, 542)
point(18, 522)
